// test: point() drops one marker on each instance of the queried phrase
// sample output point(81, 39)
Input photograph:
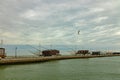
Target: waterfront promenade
point(26, 60)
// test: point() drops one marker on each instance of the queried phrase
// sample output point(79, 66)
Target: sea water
point(106, 68)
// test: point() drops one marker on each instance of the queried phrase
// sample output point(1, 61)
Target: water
point(107, 68)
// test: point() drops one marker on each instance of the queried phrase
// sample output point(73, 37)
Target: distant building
point(2, 53)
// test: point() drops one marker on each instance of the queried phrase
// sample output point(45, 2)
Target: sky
point(57, 22)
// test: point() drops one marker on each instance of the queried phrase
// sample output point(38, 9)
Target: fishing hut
point(83, 52)
point(117, 53)
point(2, 53)
point(50, 52)
point(96, 53)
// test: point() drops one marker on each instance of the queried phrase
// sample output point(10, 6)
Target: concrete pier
point(23, 60)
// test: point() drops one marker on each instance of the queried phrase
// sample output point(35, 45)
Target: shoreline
point(23, 60)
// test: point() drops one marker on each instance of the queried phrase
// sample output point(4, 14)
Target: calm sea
point(73, 69)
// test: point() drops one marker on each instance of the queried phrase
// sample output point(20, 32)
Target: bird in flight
point(78, 32)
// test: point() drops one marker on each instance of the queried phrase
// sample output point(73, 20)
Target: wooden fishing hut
point(96, 53)
point(2, 53)
point(83, 52)
point(51, 52)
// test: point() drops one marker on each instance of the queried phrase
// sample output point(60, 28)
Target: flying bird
point(78, 32)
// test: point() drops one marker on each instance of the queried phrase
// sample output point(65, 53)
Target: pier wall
point(8, 61)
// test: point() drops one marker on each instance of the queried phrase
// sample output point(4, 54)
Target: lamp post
point(16, 52)
point(78, 33)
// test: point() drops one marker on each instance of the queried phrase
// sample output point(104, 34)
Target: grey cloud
point(57, 21)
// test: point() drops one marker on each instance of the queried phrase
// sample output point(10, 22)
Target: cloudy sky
point(58, 22)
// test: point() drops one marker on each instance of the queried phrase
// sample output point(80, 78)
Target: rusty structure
point(83, 52)
point(51, 52)
point(2, 53)
point(96, 53)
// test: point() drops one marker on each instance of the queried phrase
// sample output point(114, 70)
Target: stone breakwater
point(23, 60)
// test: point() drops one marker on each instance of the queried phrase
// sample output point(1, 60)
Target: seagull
point(78, 32)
